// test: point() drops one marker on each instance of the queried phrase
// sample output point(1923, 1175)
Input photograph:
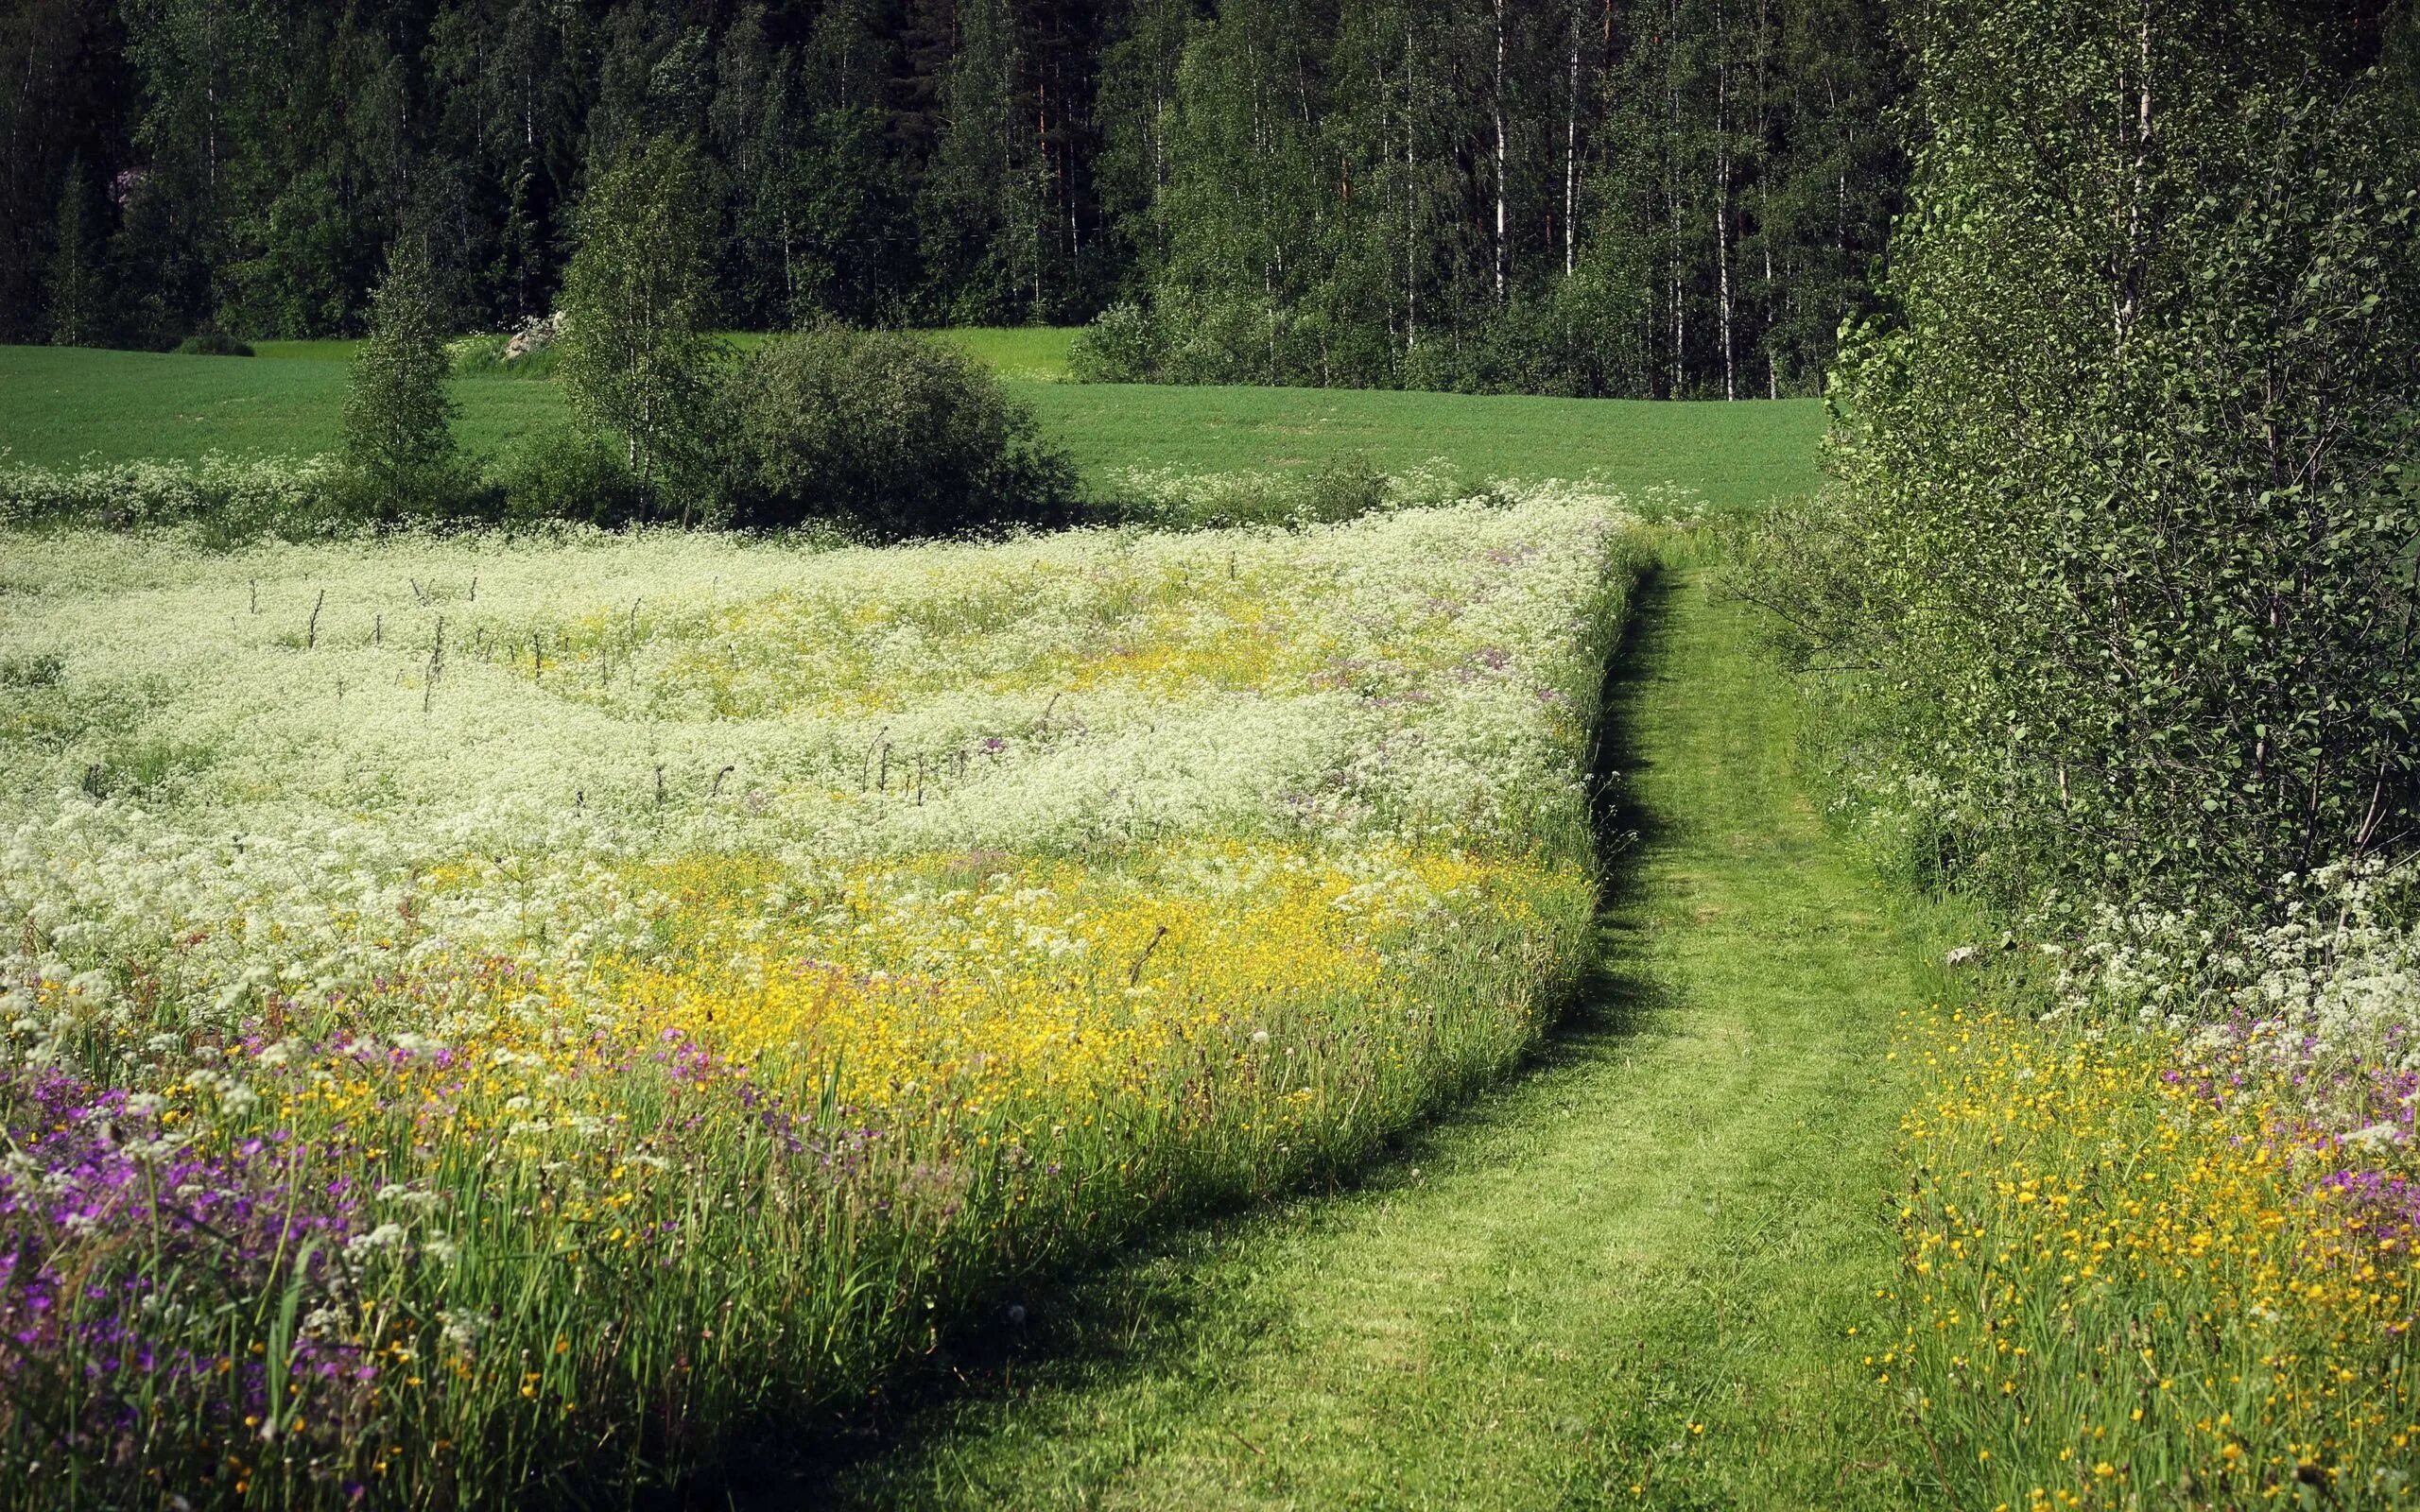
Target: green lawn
point(58, 406)
point(1033, 354)
point(1742, 454)
point(338, 353)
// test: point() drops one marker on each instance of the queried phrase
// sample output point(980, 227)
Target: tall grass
point(455, 1084)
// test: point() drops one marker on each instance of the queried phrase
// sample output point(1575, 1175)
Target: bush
point(894, 434)
point(212, 344)
point(1166, 499)
point(1123, 345)
point(1185, 336)
point(571, 475)
point(1346, 488)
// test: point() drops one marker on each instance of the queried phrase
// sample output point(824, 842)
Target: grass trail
point(1628, 1278)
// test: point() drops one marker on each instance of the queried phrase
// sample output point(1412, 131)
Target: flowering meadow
point(2168, 1257)
point(487, 1017)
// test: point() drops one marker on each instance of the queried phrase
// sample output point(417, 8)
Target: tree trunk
point(1411, 202)
point(1722, 196)
point(1571, 152)
point(1765, 191)
point(1498, 102)
point(1672, 182)
point(2130, 279)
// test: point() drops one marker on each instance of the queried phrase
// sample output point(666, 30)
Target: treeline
point(1674, 197)
point(247, 161)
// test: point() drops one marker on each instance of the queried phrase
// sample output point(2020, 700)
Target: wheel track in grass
point(1627, 1277)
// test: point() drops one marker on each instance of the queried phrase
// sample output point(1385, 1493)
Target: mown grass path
point(1626, 1278)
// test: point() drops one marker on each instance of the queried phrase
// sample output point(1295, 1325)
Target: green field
point(60, 406)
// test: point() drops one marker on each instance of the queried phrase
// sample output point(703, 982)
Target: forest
point(1640, 198)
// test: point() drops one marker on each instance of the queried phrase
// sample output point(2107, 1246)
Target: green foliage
point(1345, 487)
point(638, 356)
point(1391, 192)
point(304, 246)
point(75, 287)
point(398, 418)
point(1123, 345)
point(994, 236)
point(1670, 200)
point(221, 499)
point(569, 474)
point(2121, 541)
point(212, 344)
point(895, 434)
point(1348, 488)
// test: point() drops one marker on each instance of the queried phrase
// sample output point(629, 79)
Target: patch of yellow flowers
point(2136, 1275)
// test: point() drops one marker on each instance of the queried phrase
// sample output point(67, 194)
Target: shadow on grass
point(1181, 1295)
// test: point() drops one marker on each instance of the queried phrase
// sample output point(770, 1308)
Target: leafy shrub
point(1187, 337)
point(212, 344)
point(569, 475)
point(1170, 500)
point(1123, 345)
point(1215, 339)
point(449, 490)
point(1346, 489)
point(895, 434)
point(1563, 344)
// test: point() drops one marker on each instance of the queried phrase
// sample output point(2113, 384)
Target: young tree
point(398, 418)
point(638, 356)
point(75, 282)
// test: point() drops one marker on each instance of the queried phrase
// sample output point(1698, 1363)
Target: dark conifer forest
point(1666, 198)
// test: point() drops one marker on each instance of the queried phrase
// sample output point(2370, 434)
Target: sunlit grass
point(57, 407)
